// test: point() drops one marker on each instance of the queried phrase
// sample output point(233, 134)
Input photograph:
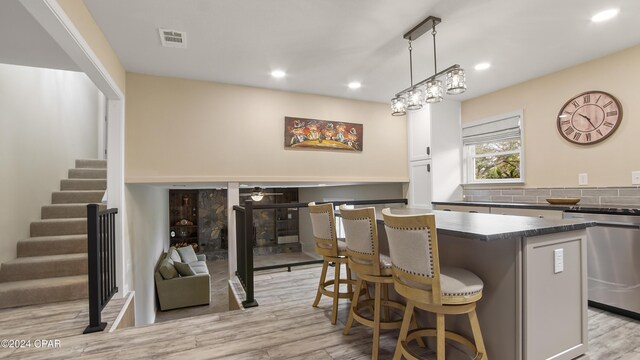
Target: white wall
point(48, 118)
point(148, 227)
point(353, 192)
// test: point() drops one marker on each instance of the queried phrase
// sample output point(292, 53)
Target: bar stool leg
point(477, 334)
point(349, 278)
point(406, 321)
point(414, 323)
point(387, 309)
point(353, 307)
point(440, 336)
point(336, 293)
point(376, 320)
point(323, 276)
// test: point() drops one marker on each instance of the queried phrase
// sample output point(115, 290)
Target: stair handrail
point(101, 259)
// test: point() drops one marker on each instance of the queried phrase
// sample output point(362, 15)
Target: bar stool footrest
point(431, 332)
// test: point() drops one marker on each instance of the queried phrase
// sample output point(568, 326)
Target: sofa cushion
point(200, 267)
point(173, 254)
point(184, 269)
point(187, 254)
point(167, 270)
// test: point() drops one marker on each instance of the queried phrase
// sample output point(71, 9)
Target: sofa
point(182, 279)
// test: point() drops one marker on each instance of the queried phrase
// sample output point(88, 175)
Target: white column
point(233, 198)
point(115, 184)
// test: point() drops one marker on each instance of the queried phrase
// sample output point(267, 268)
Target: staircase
point(52, 263)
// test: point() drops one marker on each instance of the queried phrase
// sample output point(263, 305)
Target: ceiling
point(325, 44)
point(25, 42)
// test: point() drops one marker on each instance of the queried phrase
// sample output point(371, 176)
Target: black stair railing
point(101, 247)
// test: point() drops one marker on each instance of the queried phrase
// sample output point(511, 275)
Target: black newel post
point(93, 259)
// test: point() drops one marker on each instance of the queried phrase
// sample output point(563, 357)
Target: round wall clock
point(590, 117)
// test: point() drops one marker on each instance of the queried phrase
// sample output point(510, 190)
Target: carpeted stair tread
point(41, 291)
point(77, 196)
point(83, 184)
point(40, 267)
point(91, 163)
point(53, 227)
point(66, 211)
point(52, 245)
point(87, 173)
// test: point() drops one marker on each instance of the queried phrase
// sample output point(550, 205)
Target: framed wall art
point(300, 133)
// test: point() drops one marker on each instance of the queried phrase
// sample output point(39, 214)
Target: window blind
point(491, 131)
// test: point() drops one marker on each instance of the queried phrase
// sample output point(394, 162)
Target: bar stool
point(417, 275)
point(332, 250)
point(361, 235)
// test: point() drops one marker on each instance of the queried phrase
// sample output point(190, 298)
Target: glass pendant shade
point(398, 106)
point(414, 100)
point(456, 82)
point(434, 91)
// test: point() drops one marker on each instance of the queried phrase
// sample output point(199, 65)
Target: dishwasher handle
point(622, 225)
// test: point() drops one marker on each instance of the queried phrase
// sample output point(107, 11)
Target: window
point(493, 150)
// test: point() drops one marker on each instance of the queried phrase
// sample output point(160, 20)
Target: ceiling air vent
point(173, 38)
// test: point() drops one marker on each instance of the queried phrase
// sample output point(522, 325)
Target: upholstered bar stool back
point(417, 275)
point(333, 251)
point(361, 235)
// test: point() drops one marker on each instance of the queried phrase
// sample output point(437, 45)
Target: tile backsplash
point(587, 195)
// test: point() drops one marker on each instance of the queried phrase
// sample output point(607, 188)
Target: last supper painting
point(300, 133)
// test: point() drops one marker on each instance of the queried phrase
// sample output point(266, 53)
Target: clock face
point(589, 117)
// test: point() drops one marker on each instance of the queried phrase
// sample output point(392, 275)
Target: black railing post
point(94, 271)
point(249, 236)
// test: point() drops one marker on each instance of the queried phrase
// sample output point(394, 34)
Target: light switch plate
point(558, 261)
point(635, 178)
point(583, 179)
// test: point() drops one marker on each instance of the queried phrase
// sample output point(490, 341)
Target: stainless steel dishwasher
point(613, 261)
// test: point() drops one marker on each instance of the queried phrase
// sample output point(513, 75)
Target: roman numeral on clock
point(608, 103)
point(586, 99)
point(577, 136)
point(599, 132)
point(588, 136)
point(568, 130)
point(612, 113)
point(608, 124)
point(575, 103)
point(565, 122)
point(598, 99)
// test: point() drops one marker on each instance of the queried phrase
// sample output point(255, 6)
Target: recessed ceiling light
point(278, 74)
point(354, 85)
point(605, 15)
point(482, 66)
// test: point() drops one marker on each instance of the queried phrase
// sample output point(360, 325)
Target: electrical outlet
point(635, 178)
point(558, 261)
point(583, 179)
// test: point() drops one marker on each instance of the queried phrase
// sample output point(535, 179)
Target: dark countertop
point(597, 209)
point(488, 227)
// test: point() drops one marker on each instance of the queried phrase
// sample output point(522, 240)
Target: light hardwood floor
point(284, 326)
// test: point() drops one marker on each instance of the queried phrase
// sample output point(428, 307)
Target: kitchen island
point(534, 303)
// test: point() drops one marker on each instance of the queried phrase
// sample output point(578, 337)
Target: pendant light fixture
point(429, 90)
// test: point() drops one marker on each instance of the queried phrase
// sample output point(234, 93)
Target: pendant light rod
point(410, 63)
point(420, 29)
point(432, 77)
point(435, 58)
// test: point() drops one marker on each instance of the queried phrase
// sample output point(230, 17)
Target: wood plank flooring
point(284, 326)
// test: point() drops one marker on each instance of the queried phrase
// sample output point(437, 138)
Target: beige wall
point(185, 130)
point(552, 161)
point(77, 11)
point(49, 118)
point(148, 227)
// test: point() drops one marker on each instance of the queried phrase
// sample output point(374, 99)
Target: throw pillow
point(187, 254)
point(184, 269)
point(173, 254)
point(167, 270)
